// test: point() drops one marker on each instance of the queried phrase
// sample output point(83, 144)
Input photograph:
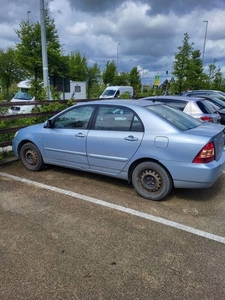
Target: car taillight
point(207, 119)
point(206, 155)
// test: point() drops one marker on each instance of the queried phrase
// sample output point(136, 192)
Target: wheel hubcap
point(151, 180)
point(31, 157)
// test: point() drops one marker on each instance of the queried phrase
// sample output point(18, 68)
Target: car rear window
point(175, 103)
point(205, 107)
point(174, 116)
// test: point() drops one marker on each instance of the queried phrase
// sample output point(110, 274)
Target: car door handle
point(80, 135)
point(131, 138)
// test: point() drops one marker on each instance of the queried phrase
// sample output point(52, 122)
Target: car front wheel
point(31, 157)
point(151, 181)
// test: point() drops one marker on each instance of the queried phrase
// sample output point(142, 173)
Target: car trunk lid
point(216, 134)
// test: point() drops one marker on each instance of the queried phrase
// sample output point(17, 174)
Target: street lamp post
point(117, 55)
point(44, 49)
point(203, 53)
point(28, 13)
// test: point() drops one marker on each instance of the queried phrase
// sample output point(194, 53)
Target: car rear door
point(115, 137)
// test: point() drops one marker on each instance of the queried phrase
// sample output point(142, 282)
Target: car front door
point(65, 142)
point(115, 137)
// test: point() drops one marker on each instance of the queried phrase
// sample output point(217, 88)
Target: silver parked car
point(217, 103)
point(154, 146)
point(196, 107)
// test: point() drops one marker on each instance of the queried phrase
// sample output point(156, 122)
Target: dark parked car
point(154, 146)
point(196, 93)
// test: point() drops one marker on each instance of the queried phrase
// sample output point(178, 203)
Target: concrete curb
point(8, 160)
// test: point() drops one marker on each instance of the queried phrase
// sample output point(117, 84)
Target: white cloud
point(77, 29)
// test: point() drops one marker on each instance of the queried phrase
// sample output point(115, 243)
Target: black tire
point(151, 181)
point(31, 157)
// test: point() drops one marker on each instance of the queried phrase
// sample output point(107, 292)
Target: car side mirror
point(48, 124)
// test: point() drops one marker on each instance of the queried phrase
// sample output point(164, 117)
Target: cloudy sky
point(137, 33)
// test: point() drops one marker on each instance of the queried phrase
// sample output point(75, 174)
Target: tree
point(135, 79)
point(181, 65)
point(78, 67)
point(122, 79)
point(29, 50)
point(93, 78)
point(109, 75)
point(189, 72)
point(195, 75)
point(215, 77)
point(10, 72)
point(218, 80)
point(80, 71)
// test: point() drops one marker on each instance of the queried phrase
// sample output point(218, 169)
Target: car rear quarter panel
point(171, 147)
point(177, 156)
point(190, 175)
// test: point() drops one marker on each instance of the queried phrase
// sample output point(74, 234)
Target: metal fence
point(48, 114)
point(13, 129)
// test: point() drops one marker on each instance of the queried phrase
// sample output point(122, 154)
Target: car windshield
point(109, 93)
point(23, 95)
point(175, 116)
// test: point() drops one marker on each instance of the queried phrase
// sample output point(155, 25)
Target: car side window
point(77, 117)
point(117, 118)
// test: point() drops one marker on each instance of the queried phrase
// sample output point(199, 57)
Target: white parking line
point(130, 211)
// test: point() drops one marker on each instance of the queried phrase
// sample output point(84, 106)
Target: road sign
point(156, 81)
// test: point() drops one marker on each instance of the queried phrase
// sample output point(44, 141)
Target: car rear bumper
point(197, 175)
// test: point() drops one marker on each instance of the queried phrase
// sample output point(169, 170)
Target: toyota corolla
point(151, 145)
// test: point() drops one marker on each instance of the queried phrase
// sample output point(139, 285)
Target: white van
point(115, 91)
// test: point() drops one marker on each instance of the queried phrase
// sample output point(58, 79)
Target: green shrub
point(125, 95)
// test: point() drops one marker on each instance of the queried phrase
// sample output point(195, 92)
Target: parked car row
point(198, 108)
point(203, 92)
point(208, 105)
point(154, 146)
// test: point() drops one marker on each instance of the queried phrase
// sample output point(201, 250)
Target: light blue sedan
point(154, 146)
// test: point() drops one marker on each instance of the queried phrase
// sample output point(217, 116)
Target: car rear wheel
point(151, 181)
point(31, 157)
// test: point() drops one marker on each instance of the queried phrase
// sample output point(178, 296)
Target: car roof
point(126, 102)
point(201, 92)
point(204, 91)
point(190, 91)
point(181, 98)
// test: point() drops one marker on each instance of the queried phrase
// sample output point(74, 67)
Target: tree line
point(24, 60)
point(189, 73)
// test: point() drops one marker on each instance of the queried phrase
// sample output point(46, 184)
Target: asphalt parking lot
point(72, 235)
